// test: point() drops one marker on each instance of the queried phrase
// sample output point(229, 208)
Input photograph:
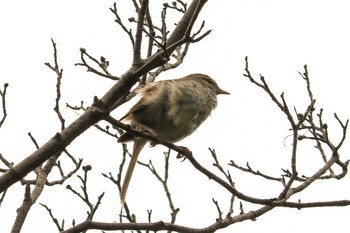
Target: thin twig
point(164, 182)
point(59, 73)
point(218, 209)
point(59, 226)
point(3, 103)
point(121, 24)
point(248, 169)
point(103, 64)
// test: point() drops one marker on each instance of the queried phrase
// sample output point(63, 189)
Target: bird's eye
point(209, 80)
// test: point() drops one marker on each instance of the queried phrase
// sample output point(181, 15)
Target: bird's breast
point(177, 112)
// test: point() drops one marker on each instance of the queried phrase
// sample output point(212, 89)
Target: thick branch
point(138, 37)
point(101, 107)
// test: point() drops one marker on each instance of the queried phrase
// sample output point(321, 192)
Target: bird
point(171, 110)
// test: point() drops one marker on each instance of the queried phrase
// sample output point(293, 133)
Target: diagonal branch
point(100, 107)
point(188, 154)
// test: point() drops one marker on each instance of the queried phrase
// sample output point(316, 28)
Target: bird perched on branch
point(170, 110)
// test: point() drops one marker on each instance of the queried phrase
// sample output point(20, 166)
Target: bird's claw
point(153, 143)
point(182, 155)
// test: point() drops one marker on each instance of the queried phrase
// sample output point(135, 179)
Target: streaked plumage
point(172, 109)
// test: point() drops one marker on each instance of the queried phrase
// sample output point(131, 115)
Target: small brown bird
point(171, 110)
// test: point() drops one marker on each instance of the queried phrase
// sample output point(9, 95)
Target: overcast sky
point(279, 37)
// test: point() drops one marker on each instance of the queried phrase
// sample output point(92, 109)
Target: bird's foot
point(182, 155)
point(155, 134)
point(153, 143)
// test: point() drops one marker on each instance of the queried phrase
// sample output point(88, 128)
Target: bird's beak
point(220, 91)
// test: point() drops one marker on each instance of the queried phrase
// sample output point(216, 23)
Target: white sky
point(278, 36)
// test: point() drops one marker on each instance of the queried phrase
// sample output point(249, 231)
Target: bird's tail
point(139, 143)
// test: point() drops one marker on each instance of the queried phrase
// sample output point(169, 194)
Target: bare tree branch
point(59, 226)
point(85, 195)
point(166, 51)
point(164, 182)
point(121, 24)
point(248, 169)
point(182, 8)
point(3, 104)
point(319, 134)
point(42, 171)
point(59, 73)
point(101, 107)
point(103, 64)
point(137, 60)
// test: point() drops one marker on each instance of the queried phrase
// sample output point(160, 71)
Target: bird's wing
point(139, 105)
point(148, 92)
